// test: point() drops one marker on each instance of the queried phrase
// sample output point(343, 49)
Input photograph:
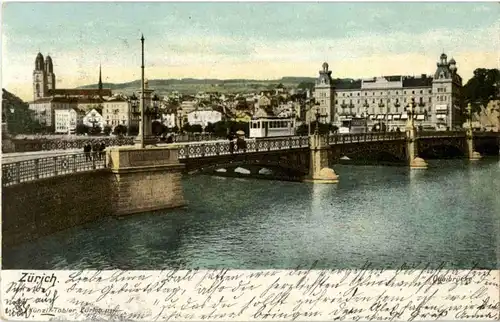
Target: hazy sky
point(243, 40)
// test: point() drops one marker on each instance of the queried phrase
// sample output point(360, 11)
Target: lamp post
point(133, 103)
point(409, 111)
point(469, 116)
point(386, 117)
point(316, 130)
point(141, 123)
point(366, 118)
point(156, 106)
point(309, 119)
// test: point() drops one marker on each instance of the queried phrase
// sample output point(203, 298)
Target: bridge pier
point(319, 170)
point(414, 160)
point(145, 179)
point(473, 155)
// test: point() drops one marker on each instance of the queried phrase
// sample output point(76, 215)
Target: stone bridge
point(286, 157)
point(290, 157)
point(41, 196)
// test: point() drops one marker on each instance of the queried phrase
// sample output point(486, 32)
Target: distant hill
point(192, 85)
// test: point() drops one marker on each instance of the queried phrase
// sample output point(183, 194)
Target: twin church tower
point(44, 81)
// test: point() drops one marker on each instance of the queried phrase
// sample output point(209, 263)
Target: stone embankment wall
point(136, 181)
point(34, 209)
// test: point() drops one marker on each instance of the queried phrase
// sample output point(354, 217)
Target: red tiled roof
point(81, 92)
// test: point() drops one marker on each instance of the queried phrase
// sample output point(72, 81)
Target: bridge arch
point(391, 152)
point(281, 163)
point(442, 148)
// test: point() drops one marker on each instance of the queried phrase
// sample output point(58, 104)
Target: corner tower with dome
point(324, 95)
point(446, 86)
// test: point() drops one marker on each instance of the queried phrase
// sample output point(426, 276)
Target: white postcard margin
point(244, 295)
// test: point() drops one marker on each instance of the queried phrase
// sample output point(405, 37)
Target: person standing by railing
point(86, 149)
point(95, 150)
point(102, 153)
point(231, 143)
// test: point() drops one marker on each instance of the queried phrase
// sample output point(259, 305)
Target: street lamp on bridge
point(366, 116)
point(140, 136)
point(312, 103)
point(316, 130)
point(410, 112)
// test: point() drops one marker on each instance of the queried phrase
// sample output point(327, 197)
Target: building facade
point(94, 118)
point(203, 117)
point(66, 120)
point(385, 99)
point(117, 111)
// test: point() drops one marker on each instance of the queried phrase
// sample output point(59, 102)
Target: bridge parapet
point(30, 170)
point(205, 149)
point(440, 134)
point(365, 137)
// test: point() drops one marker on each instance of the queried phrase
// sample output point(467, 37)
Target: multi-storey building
point(66, 119)
point(385, 99)
point(203, 117)
point(324, 95)
point(93, 119)
point(117, 111)
point(43, 111)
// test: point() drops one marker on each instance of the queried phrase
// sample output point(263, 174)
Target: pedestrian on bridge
point(230, 137)
point(86, 149)
point(102, 153)
point(95, 151)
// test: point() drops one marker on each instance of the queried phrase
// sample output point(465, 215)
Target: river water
point(378, 217)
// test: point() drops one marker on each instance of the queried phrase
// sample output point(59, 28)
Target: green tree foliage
point(481, 88)
point(157, 128)
point(305, 85)
point(82, 129)
point(95, 130)
point(220, 128)
point(302, 130)
point(120, 130)
point(210, 128)
point(107, 130)
point(196, 128)
point(19, 118)
point(134, 130)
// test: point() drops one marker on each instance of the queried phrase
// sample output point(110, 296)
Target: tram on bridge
point(353, 125)
point(272, 127)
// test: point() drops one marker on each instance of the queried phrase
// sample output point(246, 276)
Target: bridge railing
point(440, 134)
point(365, 137)
point(30, 170)
point(486, 133)
point(206, 149)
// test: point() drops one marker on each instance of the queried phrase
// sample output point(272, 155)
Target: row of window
point(396, 100)
point(271, 124)
point(382, 93)
point(383, 110)
point(115, 122)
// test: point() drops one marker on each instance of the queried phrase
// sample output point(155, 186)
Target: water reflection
point(384, 215)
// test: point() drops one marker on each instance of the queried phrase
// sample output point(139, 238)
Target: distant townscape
point(439, 102)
